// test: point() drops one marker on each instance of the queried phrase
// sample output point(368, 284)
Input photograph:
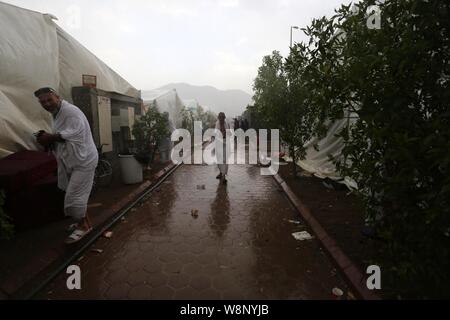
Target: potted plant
point(148, 132)
point(130, 168)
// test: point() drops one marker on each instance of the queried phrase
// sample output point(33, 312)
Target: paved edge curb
point(123, 202)
point(30, 289)
point(351, 273)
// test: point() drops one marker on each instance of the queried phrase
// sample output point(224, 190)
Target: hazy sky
point(155, 42)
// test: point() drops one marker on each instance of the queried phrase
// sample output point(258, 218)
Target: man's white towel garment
point(77, 158)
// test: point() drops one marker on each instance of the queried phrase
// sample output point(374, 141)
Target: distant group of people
point(241, 124)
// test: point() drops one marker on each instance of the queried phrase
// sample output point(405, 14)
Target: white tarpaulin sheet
point(75, 60)
point(34, 53)
point(191, 104)
point(318, 161)
point(165, 101)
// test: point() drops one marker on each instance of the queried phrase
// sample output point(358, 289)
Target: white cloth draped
point(77, 158)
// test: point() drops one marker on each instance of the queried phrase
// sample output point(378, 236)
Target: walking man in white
point(76, 155)
point(223, 148)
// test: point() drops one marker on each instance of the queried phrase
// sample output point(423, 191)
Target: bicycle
point(103, 171)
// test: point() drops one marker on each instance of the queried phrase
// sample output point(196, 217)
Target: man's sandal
point(72, 227)
point(77, 235)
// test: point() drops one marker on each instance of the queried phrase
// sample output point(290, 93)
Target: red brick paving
point(239, 247)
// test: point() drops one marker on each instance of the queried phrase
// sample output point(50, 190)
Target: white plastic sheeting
point(35, 53)
point(75, 60)
point(191, 103)
point(165, 101)
point(318, 161)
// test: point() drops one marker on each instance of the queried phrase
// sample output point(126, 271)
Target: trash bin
point(130, 169)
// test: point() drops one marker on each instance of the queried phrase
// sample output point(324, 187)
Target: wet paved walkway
point(239, 247)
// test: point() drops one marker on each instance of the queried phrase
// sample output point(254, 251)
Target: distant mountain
point(232, 102)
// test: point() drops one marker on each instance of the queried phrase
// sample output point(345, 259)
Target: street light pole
point(292, 27)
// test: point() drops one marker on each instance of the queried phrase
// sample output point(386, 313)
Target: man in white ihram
point(76, 155)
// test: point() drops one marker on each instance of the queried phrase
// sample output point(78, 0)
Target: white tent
point(191, 104)
point(35, 52)
point(165, 101)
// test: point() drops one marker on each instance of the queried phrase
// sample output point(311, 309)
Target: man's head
point(49, 99)
point(221, 116)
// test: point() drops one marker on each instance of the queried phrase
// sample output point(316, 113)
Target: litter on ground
point(302, 235)
point(350, 296)
point(108, 234)
point(338, 292)
point(304, 174)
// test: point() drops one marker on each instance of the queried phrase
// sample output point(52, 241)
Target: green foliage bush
point(280, 101)
point(393, 86)
point(148, 132)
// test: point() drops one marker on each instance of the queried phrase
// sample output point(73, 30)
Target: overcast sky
point(155, 42)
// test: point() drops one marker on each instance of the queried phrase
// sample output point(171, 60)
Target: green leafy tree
point(270, 91)
point(148, 131)
point(271, 96)
point(209, 119)
point(394, 82)
point(253, 117)
point(188, 118)
point(399, 147)
point(391, 86)
point(280, 103)
point(305, 120)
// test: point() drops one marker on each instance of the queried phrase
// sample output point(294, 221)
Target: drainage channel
point(97, 234)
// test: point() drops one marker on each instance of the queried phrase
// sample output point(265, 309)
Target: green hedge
point(394, 81)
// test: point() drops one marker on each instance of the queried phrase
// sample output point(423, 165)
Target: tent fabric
point(318, 162)
point(75, 60)
point(166, 101)
point(36, 53)
point(191, 104)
